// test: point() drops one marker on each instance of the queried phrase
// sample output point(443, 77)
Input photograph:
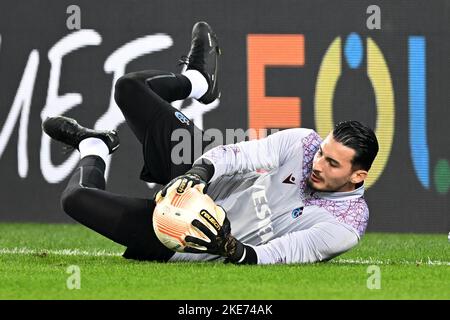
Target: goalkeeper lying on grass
point(307, 206)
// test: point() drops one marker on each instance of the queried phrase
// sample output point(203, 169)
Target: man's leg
point(144, 98)
point(125, 220)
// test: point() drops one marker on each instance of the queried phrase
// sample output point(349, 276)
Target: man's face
point(332, 168)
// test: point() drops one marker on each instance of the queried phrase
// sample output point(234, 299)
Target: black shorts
point(168, 152)
point(145, 100)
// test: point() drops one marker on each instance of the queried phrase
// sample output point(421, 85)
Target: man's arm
point(267, 153)
point(323, 241)
point(200, 174)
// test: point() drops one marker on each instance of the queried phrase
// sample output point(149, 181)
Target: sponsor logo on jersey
point(297, 212)
point(289, 180)
point(182, 117)
point(212, 221)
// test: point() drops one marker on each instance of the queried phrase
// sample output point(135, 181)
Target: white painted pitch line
point(62, 252)
point(389, 262)
point(103, 253)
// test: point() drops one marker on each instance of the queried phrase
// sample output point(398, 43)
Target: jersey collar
point(340, 196)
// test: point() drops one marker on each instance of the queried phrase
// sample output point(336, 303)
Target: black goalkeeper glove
point(199, 174)
point(187, 180)
point(222, 244)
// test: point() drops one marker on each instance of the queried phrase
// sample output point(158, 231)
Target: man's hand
point(222, 244)
point(181, 183)
point(199, 175)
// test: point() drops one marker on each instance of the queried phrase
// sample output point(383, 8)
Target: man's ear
point(358, 176)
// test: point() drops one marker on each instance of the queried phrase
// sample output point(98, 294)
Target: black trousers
point(144, 99)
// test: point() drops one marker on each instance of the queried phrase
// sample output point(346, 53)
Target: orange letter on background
point(272, 50)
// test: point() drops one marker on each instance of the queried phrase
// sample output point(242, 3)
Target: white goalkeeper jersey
point(262, 185)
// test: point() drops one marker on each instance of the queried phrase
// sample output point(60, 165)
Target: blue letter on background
point(417, 109)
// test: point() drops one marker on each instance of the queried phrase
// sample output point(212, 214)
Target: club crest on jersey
point(182, 117)
point(297, 212)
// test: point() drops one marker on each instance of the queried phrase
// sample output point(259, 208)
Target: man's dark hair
point(360, 138)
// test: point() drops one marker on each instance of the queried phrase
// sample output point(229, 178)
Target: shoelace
point(183, 60)
point(196, 51)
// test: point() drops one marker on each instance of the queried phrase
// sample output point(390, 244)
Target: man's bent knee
point(72, 201)
point(125, 88)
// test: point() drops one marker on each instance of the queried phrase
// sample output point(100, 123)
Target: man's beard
point(311, 186)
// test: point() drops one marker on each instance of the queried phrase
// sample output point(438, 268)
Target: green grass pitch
point(34, 262)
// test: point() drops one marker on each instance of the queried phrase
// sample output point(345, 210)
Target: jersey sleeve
point(323, 241)
point(267, 153)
